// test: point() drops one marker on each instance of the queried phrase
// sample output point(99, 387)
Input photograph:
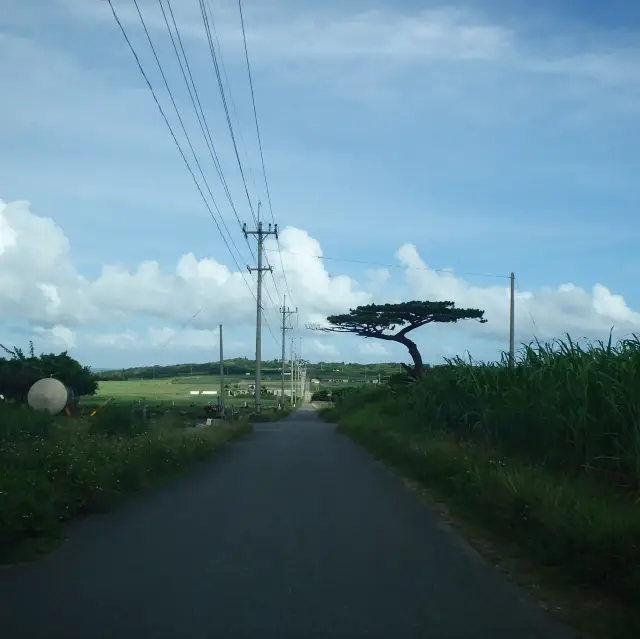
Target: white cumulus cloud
point(58, 336)
point(154, 306)
point(374, 349)
point(556, 310)
point(325, 349)
point(39, 282)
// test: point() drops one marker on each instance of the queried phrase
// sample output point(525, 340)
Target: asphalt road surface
point(292, 532)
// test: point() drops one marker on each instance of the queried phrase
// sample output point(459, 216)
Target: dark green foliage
point(321, 396)
point(118, 420)
point(19, 372)
point(373, 320)
point(400, 380)
point(339, 394)
point(19, 423)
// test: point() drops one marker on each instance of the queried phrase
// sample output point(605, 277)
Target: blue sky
point(492, 136)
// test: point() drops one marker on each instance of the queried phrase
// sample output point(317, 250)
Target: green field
point(176, 390)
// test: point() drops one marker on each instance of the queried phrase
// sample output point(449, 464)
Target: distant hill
point(242, 366)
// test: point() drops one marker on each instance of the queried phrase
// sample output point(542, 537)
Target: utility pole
point(286, 312)
point(512, 337)
point(221, 402)
point(260, 233)
point(302, 378)
point(300, 373)
point(293, 376)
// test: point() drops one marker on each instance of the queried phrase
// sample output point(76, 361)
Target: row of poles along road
point(298, 372)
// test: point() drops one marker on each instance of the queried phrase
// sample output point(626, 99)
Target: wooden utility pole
point(293, 375)
point(260, 233)
point(221, 402)
point(512, 337)
point(286, 312)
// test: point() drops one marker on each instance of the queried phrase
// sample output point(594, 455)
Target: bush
point(338, 394)
point(400, 380)
point(118, 420)
point(21, 422)
point(572, 408)
point(20, 372)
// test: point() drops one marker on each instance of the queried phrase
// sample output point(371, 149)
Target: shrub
point(571, 407)
point(118, 420)
point(21, 422)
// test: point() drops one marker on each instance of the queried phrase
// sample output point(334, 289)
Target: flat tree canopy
point(392, 322)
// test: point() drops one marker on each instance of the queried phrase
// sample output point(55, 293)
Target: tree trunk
point(418, 367)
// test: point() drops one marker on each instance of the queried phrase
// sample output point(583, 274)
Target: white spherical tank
point(48, 394)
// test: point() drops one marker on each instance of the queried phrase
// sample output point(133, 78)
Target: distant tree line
point(238, 366)
point(242, 366)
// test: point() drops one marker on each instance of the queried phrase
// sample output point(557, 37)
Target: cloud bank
point(41, 290)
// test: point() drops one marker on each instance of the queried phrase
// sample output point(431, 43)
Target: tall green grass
point(573, 407)
point(544, 454)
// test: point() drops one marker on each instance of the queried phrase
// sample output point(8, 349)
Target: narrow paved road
point(292, 532)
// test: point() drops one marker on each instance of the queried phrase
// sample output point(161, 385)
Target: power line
point(184, 130)
point(175, 139)
point(417, 268)
point(189, 321)
point(255, 116)
point(206, 21)
point(202, 120)
point(233, 102)
point(181, 328)
point(207, 17)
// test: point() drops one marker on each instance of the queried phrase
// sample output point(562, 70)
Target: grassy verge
point(571, 540)
point(56, 469)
